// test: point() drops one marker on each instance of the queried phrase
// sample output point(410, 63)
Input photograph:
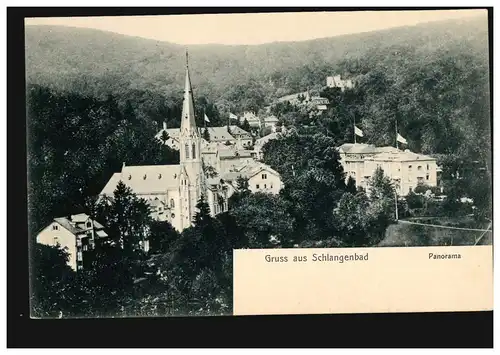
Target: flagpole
point(354, 118)
point(396, 133)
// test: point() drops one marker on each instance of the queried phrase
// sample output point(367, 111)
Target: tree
point(162, 236)
point(262, 216)
point(206, 135)
point(351, 185)
point(164, 137)
point(127, 218)
point(245, 125)
point(50, 273)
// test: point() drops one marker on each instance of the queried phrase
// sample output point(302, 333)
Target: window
point(78, 242)
point(172, 203)
point(271, 186)
point(427, 166)
point(186, 148)
point(265, 186)
point(410, 189)
point(159, 176)
point(409, 167)
point(264, 176)
point(194, 151)
point(427, 177)
point(257, 186)
point(419, 168)
point(55, 227)
point(130, 177)
point(79, 256)
point(173, 216)
point(89, 224)
point(56, 240)
point(85, 247)
point(80, 267)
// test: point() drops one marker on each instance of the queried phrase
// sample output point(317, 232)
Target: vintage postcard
point(259, 163)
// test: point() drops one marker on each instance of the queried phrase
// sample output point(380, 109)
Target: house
point(218, 135)
point(177, 187)
point(78, 233)
point(252, 119)
point(242, 138)
point(261, 177)
point(406, 169)
point(337, 82)
point(270, 121)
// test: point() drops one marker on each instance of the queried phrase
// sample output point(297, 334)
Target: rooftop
point(145, 179)
point(76, 223)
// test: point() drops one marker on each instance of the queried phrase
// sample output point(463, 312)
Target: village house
point(271, 121)
point(261, 177)
point(406, 169)
point(219, 135)
point(252, 119)
point(77, 233)
point(337, 82)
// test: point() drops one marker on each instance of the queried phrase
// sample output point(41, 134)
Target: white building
point(252, 119)
point(337, 82)
point(218, 135)
point(261, 177)
point(406, 169)
point(77, 233)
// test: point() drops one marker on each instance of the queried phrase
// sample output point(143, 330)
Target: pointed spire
point(187, 118)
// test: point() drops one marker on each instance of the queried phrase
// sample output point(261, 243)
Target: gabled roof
point(145, 179)
point(239, 131)
point(265, 139)
point(75, 223)
point(219, 134)
point(248, 170)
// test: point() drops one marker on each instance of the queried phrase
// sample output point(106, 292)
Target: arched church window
point(194, 151)
point(187, 150)
point(172, 203)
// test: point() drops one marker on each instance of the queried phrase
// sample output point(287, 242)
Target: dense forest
point(95, 100)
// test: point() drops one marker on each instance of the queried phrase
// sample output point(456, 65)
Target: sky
point(255, 28)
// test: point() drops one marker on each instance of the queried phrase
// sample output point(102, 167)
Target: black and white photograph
point(157, 145)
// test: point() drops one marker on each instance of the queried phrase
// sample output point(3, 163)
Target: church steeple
point(188, 122)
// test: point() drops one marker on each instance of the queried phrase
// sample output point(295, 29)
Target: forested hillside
point(93, 62)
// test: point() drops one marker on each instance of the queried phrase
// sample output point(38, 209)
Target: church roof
point(145, 179)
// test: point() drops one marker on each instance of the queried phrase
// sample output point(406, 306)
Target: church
point(174, 190)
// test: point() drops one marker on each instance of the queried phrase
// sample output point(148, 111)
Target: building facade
point(337, 82)
point(77, 233)
point(406, 169)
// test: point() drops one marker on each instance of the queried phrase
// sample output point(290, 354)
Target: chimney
point(164, 125)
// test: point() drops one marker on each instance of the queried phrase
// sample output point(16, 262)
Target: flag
point(206, 118)
point(401, 139)
point(358, 132)
point(233, 116)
